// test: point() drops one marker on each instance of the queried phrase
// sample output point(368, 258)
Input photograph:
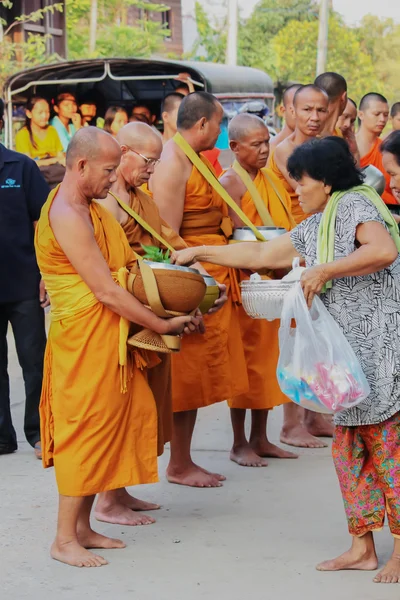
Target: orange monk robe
point(210, 367)
point(374, 157)
point(98, 436)
point(296, 210)
point(159, 376)
point(260, 337)
point(212, 156)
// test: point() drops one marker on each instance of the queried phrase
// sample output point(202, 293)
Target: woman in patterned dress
point(365, 301)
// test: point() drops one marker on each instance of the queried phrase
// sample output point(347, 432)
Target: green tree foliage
point(210, 45)
point(115, 37)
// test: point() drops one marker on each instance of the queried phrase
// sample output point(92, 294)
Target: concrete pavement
point(258, 536)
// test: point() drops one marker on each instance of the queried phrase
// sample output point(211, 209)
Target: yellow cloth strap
point(255, 194)
point(142, 222)
point(215, 184)
point(277, 192)
point(70, 296)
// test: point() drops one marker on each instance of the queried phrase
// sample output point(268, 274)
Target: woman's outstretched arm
point(276, 254)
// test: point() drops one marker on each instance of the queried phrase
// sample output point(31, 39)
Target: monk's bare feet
point(217, 475)
point(192, 476)
point(73, 554)
point(317, 425)
point(390, 572)
point(245, 456)
point(134, 503)
point(299, 436)
point(119, 514)
point(91, 539)
point(265, 448)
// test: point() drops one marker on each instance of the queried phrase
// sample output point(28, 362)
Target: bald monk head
point(169, 114)
point(335, 86)
point(395, 116)
point(93, 156)
point(310, 105)
point(141, 149)
point(373, 113)
point(199, 118)
point(288, 113)
point(249, 141)
point(347, 119)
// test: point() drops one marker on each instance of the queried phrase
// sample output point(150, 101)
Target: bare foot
point(91, 539)
point(299, 436)
point(73, 554)
point(319, 426)
point(246, 457)
point(193, 476)
point(119, 514)
point(265, 448)
point(390, 572)
point(217, 475)
point(135, 503)
point(351, 560)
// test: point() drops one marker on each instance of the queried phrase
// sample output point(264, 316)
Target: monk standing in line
point(169, 114)
point(373, 114)
point(395, 116)
point(301, 427)
point(98, 416)
point(346, 121)
point(249, 140)
point(288, 112)
point(210, 368)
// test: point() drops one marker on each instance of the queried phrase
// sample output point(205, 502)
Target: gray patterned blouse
point(367, 308)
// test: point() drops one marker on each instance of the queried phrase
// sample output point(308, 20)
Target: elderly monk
point(98, 416)
point(210, 368)
point(310, 105)
point(141, 148)
point(249, 141)
point(169, 114)
point(288, 112)
point(373, 114)
point(302, 428)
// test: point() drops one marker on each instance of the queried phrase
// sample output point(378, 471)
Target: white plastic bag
point(317, 367)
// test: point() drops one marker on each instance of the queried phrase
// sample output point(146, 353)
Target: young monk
point(169, 114)
point(302, 428)
point(249, 141)
point(287, 109)
point(98, 423)
point(395, 116)
point(336, 87)
point(346, 121)
point(373, 114)
point(211, 368)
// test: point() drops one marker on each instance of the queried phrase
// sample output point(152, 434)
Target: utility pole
point(93, 26)
point(231, 47)
point(322, 53)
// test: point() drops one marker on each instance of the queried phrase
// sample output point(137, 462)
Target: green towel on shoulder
point(326, 231)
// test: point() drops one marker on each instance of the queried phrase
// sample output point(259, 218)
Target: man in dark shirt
point(23, 192)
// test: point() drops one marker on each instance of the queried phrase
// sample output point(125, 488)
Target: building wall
point(172, 18)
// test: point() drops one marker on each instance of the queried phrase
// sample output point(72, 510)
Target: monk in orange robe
point(288, 114)
point(249, 140)
point(210, 368)
point(374, 114)
point(301, 428)
point(98, 415)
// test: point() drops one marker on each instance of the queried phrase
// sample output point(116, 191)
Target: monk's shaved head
point(171, 101)
point(196, 106)
point(289, 93)
point(90, 143)
point(138, 136)
point(334, 84)
point(242, 125)
point(371, 97)
point(307, 89)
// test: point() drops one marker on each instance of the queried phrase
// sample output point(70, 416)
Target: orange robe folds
point(260, 337)
point(98, 418)
point(374, 157)
point(210, 367)
point(212, 156)
point(296, 210)
point(159, 376)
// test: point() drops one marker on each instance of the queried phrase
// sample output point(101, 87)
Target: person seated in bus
point(67, 119)
point(115, 118)
point(88, 109)
point(37, 139)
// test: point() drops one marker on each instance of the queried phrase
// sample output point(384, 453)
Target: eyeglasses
point(150, 162)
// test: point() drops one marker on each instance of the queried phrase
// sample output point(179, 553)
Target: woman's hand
point(312, 282)
point(219, 303)
point(187, 256)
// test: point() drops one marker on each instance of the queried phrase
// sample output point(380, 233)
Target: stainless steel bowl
point(374, 178)
point(245, 234)
point(209, 280)
point(168, 267)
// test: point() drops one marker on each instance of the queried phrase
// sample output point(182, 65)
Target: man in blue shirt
point(23, 192)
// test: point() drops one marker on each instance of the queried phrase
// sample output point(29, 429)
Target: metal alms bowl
point(374, 178)
point(169, 267)
point(211, 295)
point(245, 234)
point(264, 299)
